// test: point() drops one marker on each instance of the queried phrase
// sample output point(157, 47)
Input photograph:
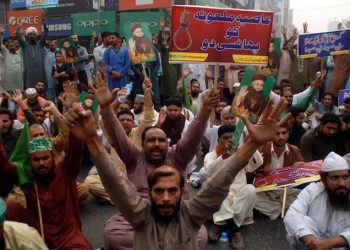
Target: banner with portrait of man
point(140, 44)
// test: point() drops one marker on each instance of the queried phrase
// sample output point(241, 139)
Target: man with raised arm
point(165, 221)
point(155, 153)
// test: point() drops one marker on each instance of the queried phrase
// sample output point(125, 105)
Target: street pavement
point(261, 235)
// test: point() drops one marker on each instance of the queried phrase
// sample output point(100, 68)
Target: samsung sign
point(59, 27)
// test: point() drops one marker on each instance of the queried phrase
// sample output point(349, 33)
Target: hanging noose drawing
point(182, 32)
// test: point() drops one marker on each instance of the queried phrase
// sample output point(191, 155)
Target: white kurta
point(241, 197)
point(19, 236)
point(311, 213)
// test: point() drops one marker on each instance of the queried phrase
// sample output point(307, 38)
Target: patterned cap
point(2, 211)
point(39, 144)
point(31, 92)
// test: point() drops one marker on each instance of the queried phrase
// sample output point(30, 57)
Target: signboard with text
point(215, 35)
point(74, 6)
point(342, 95)
point(59, 27)
point(18, 4)
point(289, 176)
point(36, 4)
point(86, 23)
point(29, 18)
point(324, 44)
point(144, 4)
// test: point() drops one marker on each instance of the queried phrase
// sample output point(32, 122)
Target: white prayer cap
point(334, 162)
point(140, 98)
point(31, 92)
point(31, 30)
point(236, 84)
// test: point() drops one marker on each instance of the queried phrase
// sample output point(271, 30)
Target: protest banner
point(289, 176)
point(140, 42)
point(324, 44)
point(342, 95)
point(217, 35)
point(29, 18)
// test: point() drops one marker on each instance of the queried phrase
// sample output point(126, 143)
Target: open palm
point(268, 124)
point(101, 91)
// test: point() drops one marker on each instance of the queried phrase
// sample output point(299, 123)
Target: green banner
point(151, 18)
point(86, 23)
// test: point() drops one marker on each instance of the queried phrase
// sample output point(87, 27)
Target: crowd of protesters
point(148, 140)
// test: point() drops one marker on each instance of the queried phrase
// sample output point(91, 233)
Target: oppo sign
point(91, 23)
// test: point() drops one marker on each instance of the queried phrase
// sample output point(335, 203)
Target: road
point(261, 235)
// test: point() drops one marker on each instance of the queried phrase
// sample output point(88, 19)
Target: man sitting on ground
point(319, 218)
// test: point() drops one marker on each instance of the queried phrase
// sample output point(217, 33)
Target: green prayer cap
point(39, 144)
point(2, 211)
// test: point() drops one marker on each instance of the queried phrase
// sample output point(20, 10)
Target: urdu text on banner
point(218, 35)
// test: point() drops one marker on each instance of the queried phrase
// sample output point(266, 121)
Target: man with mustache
point(52, 202)
point(155, 153)
point(174, 124)
point(277, 154)
point(165, 221)
point(319, 218)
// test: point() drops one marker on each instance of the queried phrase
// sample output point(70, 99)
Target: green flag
point(186, 98)
point(20, 157)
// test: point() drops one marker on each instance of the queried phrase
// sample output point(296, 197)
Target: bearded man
point(319, 218)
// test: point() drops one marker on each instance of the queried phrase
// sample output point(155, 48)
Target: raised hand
point(48, 106)
point(71, 95)
point(283, 30)
point(147, 87)
point(162, 22)
point(305, 25)
point(17, 96)
point(101, 91)
point(81, 122)
point(161, 117)
point(211, 100)
point(186, 72)
point(268, 124)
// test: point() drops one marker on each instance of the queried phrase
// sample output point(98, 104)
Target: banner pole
point(216, 78)
point(284, 202)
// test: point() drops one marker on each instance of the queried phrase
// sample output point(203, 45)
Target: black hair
point(193, 80)
point(143, 136)
point(330, 94)
point(36, 108)
point(285, 81)
point(330, 117)
point(241, 71)
point(295, 111)
point(104, 34)
point(156, 175)
point(5, 111)
point(125, 112)
point(40, 81)
point(58, 52)
point(114, 34)
point(277, 88)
